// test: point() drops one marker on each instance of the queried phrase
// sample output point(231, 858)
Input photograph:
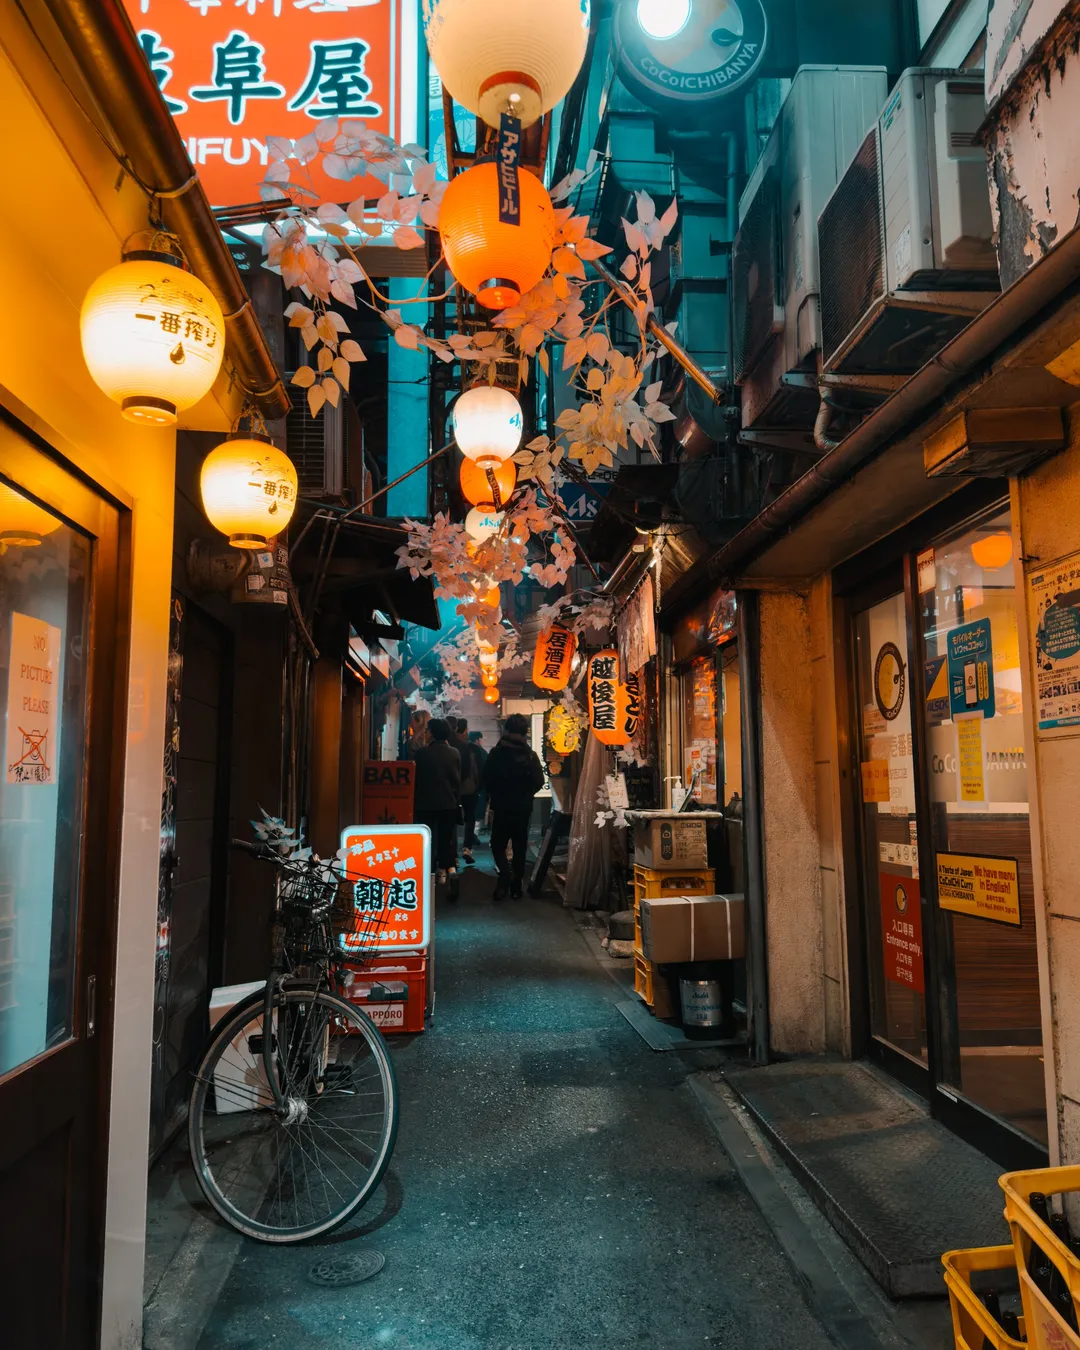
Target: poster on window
point(901, 931)
point(33, 702)
point(1054, 609)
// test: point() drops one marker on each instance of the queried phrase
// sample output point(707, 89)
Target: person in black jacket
point(512, 776)
point(470, 783)
point(438, 797)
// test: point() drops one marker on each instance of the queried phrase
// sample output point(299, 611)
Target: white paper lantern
point(516, 56)
point(248, 489)
point(153, 337)
point(487, 424)
point(481, 525)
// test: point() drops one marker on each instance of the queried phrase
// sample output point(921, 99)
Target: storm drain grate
point(336, 1271)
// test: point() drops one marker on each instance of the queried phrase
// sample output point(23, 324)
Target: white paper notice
point(33, 700)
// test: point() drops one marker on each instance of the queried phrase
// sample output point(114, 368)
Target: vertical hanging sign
point(507, 155)
point(33, 700)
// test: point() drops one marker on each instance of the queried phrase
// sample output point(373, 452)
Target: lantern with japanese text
point(248, 489)
point(629, 715)
point(481, 525)
point(496, 261)
point(153, 336)
point(491, 694)
point(553, 658)
point(603, 681)
point(564, 730)
point(487, 425)
point(497, 56)
point(23, 524)
point(477, 487)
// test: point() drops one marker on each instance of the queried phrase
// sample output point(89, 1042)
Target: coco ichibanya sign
point(717, 50)
point(234, 72)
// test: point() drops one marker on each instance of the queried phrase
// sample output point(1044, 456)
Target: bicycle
point(291, 1132)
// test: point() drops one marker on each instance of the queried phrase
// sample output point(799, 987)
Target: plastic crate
point(393, 993)
point(653, 988)
point(653, 885)
point(973, 1327)
point(1046, 1329)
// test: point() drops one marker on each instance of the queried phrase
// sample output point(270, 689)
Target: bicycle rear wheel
point(282, 1171)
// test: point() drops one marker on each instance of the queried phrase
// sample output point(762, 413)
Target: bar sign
point(508, 154)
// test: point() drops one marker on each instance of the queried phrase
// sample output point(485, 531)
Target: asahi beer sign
point(717, 50)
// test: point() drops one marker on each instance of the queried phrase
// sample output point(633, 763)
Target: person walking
point(470, 786)
point(418, 733)
point(438, 798)
point(512, 776)
point(477, 738)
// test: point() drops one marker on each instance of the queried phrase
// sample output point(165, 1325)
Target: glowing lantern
point(489, 677)
point(614, 707)
point(23, 524)
point(491, 694)
point(498, 56)
point(490, 598)
point(498, 263)
point(487, 425)
point(564, 730)
point(993, 551)
point(476, 485)
point(553, 658)
point(248, 490)
point(152, 337)
point(481, 525)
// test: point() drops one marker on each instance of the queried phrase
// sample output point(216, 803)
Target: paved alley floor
point(554, 1183)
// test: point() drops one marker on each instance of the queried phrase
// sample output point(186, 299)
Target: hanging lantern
point(993, 551)
point(553, 658)
point(491, 694)
point(152, 336)
point(614, 707)
point(491, 598)
point(248, 490)
point(481, 525)
point(489, 677)
point(564, 730)
point(487, 425)
point(23, 524)
point(497, 56)
point(497, 262)
point(476, 484)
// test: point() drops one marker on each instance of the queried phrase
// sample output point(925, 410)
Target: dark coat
point(512, 775)
point(470, 770)
point(438, 778)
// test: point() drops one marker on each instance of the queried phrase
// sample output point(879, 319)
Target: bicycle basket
point(328, 917)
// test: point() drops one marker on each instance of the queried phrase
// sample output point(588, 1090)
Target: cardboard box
point(679, 929)
point(669, 841)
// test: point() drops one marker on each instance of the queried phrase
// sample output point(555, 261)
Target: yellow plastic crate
point(652, 987)
point(653, 885)
point(1046, 1329)
point(973, 1327)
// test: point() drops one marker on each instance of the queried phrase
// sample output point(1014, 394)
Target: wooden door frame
point(33, 464)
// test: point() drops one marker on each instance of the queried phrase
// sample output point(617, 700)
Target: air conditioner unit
point(777, 329)
point(907, 257)
point(316, 445)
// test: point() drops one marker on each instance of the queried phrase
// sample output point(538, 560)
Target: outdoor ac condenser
point(777, 327)
point(905, 241)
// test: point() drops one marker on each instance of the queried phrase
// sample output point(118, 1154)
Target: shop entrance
point(61, 665)
point(946, 893)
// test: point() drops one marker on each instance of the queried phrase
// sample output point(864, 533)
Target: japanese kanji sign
point(1054, 601)
point(984, 888)
point(33, 700)
point(507, 154)
point(233, 72)
point(901, 930)
point(391, 866)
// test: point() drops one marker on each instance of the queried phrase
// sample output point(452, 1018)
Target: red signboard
point(388, 791)
point(391, 867)
point(901, 931)
point(233, 72)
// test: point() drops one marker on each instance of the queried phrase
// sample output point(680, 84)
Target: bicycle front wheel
point(286, 1165)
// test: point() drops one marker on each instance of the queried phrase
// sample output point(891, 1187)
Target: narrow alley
point(554, 1184)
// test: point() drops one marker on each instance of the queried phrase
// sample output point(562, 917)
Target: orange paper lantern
point(476, 486)
point(491, 695)
point(993, 551)
point(489, 678)
point(553, 658)
point(490, 598)
point(614, 707)
point(498, 263)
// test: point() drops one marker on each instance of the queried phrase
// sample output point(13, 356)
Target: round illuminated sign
point(715, 49)
point(889, 680)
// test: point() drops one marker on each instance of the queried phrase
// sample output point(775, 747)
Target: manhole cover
point(335, 1271)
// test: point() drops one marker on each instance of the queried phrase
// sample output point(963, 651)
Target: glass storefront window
point(699, 729)
point(989, 1012)
point(891, 863)
point(44, 586)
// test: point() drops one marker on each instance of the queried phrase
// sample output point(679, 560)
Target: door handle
point(91, 1006)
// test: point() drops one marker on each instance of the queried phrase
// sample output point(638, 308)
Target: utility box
point(667, 841)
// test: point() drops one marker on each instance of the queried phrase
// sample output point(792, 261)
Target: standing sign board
point(235, 72)
point(390, 866)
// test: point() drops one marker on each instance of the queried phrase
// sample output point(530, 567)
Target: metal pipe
point(971, 353)
point(110, 60)
point(408, 474)
point(631, 300)
point(749, 636)
point(824, 442)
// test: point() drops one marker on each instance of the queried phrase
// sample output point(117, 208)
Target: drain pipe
point(748, 610)
point(824, 442)
point(107, 52)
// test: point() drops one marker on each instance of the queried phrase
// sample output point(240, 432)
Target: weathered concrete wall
point(1034, 169)
point(1049, 514)
point(792, 871)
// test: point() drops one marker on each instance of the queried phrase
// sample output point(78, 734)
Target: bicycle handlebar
point(255, 849)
